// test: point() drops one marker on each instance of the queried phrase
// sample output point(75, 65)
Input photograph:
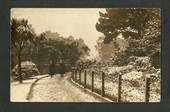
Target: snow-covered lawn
point(133, 84)
point(19, 91)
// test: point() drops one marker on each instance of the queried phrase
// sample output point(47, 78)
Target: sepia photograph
point(85, 55)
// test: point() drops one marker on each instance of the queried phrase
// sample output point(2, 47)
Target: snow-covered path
point(59, 89)
point(19, 91)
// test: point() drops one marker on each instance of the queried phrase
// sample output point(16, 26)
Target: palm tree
point(21, 32)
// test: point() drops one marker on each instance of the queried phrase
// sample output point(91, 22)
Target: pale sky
point(78, 22)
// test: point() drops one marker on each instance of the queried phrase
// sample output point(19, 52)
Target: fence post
point(147, 89)
point(80, 77)
point(85, 79)
point(102, 91)
point(119, 87)
point(92, 81)
point(75, 75)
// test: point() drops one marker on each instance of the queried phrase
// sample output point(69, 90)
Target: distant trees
point(51, 46)
point(40, 49)
point(140, 28)
point(67, 49)
point(105, 50)
point(21, 32)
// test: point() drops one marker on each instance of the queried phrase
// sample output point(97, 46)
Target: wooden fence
point(78, 73)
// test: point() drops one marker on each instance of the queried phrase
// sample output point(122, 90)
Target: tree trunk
point(19, 66)
point(39, 65)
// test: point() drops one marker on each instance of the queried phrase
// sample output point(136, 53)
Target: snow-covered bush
point(142, 64)
point(28, 69)
point(122, 69)
point(131, 60)
point(120, 58)
point(134, 75)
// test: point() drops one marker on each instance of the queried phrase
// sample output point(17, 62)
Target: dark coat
point(52, 69)
point(62, 68)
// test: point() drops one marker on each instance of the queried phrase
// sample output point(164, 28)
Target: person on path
point(52, 68)
point(62, 68)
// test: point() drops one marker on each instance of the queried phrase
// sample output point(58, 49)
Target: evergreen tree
point(140, 27)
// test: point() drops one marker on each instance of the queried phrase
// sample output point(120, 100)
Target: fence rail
point(78, 74)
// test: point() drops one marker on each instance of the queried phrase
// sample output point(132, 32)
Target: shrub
point(155, 59)
point(28, 69)
point(120, 58)
point(141, 63)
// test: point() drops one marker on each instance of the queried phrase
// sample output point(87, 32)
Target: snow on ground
point(133, 84)
point(113, 70)
point(59, 89)
point(132, 75)
point(19, 91)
